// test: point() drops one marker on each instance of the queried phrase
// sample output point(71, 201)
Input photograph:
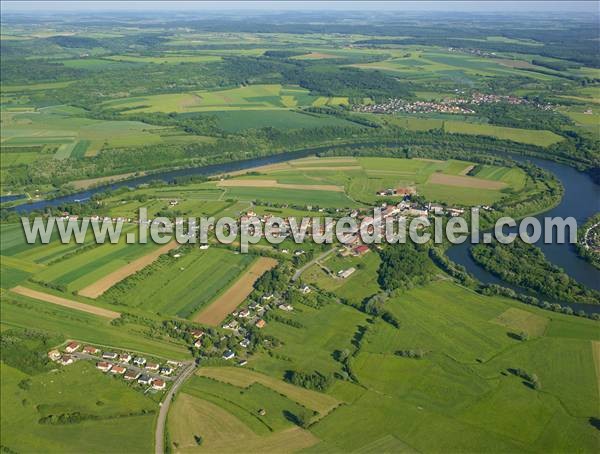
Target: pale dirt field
point(465, 182)
point(216, 312)
point(222, 432)
point(243, 378)
point(466, 170)
point(65, 302)
point(102, 285)
point(275, 184)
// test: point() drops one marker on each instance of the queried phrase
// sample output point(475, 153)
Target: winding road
point(166, 403)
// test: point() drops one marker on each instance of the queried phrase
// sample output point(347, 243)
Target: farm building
point(344, 274)
point(361, 250)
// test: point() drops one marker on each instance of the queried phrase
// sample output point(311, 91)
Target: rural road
point(309, 264)
point(164, 408)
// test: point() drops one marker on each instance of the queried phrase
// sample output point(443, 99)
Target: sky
point(455, 6)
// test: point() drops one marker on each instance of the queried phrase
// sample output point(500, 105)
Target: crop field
point(233, 296)
point(251, 97)
point(239, 120)
point(181, 286)
point(444, 181)
point(82, 269)
point(99, 287)
point(79, 388)
point(73, 136)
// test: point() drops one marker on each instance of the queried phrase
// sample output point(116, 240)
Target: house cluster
point(460, 105)
point(130, 367)
point(397, 105)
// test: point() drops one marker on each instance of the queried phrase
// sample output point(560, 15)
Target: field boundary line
point(60, 301)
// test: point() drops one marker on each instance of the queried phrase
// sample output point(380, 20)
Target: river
point(581, 200)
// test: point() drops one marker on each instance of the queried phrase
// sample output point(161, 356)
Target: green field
point(181, 286)
point(234, 121)
point(76, 388)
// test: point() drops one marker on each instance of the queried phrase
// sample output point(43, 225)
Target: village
point(152, 375)
point(447, 106)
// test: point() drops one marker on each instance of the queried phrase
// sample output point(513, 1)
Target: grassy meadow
point(77, 388)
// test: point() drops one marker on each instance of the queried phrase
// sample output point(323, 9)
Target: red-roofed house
point(72, 347)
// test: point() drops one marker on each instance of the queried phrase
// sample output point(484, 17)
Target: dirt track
point(216, 312)
point(465, 182)
point(275, 184)
point(102, 285)
point(65, 302)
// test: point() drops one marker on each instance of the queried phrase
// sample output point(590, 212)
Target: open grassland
point(181, 286)
point(124, 417)
point(24, 312)
point(99, 287)
point(231, 298)
point(529, 136)
point(65, 302)
point(461, 385)
point(223, 431)
point(541, 138)
point(244, 378)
